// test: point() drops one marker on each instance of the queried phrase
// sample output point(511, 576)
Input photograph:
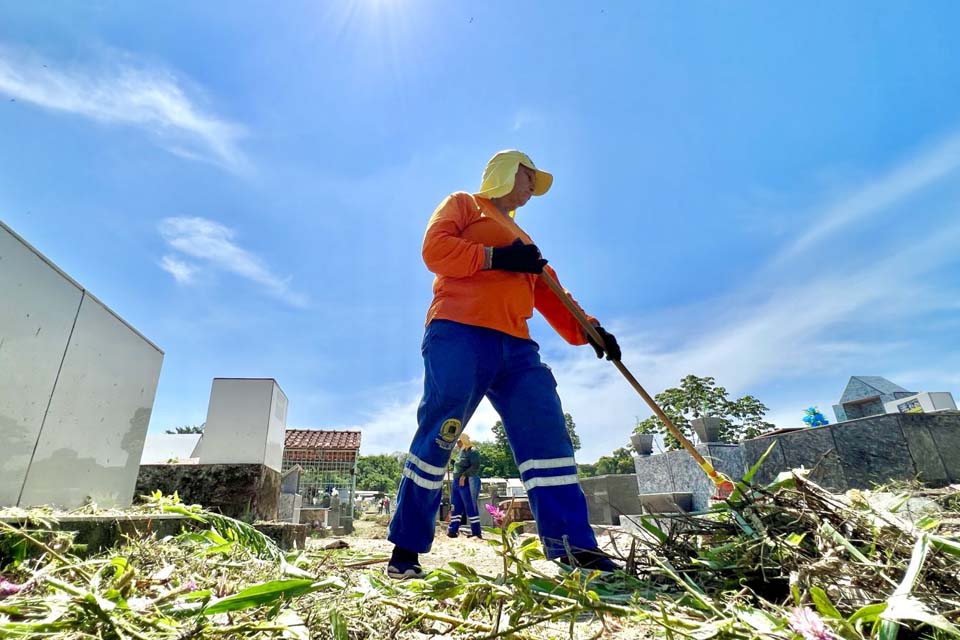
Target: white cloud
point(182, 272)
point(151, 99)
point(213, 243)
point(881, 193)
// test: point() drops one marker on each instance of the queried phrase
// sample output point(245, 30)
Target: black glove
point(613, 349)
point(519, 257)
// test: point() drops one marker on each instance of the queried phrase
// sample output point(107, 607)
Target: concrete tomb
point(77, 386)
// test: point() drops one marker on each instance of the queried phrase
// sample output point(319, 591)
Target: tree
point(379, 473)
point(620, 461)
point(572, 431)
point(700, 398)
point(496, 458)
point(586, 470)
point(494, 461)
point(188, 428)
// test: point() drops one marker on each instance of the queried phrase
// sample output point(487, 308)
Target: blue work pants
point(465, 505)
point(462, 364)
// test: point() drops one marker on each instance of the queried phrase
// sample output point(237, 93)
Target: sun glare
point(381, 32)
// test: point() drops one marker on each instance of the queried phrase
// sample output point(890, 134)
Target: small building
point(329, 462)
point(866, 396)
point(874, 396)
point(926, 402)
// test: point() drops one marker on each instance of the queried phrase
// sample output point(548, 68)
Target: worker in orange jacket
point(477, 344)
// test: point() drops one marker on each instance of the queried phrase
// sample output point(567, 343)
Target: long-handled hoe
point(724, 485)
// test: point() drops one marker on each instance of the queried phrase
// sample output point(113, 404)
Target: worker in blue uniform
point(465, 490)
point(477, 344)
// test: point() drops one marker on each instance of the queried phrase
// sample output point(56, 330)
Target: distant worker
point(477, 344)
point(465, 490)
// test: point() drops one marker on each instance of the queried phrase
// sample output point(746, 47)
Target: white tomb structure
point(246, 423)
point(926, 402)
point(77, 386)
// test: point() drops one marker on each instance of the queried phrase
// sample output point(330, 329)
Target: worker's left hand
point(610, 342)
point(463, 480)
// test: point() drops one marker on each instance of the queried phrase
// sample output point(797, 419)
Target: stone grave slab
point(774, 463)
point(945, 431)
point(872, 450)
point(922, 448)
point(815, 449)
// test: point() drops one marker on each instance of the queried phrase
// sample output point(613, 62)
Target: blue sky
point(761, 192)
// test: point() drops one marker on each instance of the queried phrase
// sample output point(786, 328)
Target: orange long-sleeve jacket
point(453, 248)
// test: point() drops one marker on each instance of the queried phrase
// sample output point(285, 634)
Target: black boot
point(404, 565)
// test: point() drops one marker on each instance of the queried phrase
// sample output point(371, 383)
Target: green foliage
point(586, 470)
point(768, 563)
point(620, 461)
point(230, 530)
point(501, 464)
point(572, 431)
point(698, 397)
point(268, 593)
point(188, 428)
point(379, 473)
point(495, 461)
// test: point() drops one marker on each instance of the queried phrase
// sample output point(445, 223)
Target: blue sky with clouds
point(760, 192)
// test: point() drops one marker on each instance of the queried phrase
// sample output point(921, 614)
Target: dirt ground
point(370, 538)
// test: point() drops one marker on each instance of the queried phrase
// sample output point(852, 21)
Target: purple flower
point(808, 624)
point(8, 588)
point(189, 585)
point(496, 514)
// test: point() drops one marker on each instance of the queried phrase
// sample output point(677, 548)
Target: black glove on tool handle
point(613, 349)
point(518, 257)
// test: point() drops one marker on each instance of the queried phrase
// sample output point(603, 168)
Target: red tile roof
point(322, 439)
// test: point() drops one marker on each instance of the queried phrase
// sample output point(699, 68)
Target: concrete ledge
point(609, 496)
point(673, 502)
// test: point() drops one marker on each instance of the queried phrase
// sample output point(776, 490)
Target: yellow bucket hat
point(502, 169)
point(464, 441)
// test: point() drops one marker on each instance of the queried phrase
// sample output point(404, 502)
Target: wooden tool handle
point(581, 317)
point(593, 333)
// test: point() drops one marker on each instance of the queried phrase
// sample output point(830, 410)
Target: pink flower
point(8, 588)
point(496, 514)
point(189, 585)
point(808, 624)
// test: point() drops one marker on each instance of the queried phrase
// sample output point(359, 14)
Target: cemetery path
point(370, 537)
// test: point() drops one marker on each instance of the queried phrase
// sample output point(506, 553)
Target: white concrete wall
point(246, 423)
point(77, 386)
point(942, 400)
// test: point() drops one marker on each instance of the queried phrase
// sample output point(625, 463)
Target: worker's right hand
point(463, 480)
point(610, 346)
point(518, 257)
